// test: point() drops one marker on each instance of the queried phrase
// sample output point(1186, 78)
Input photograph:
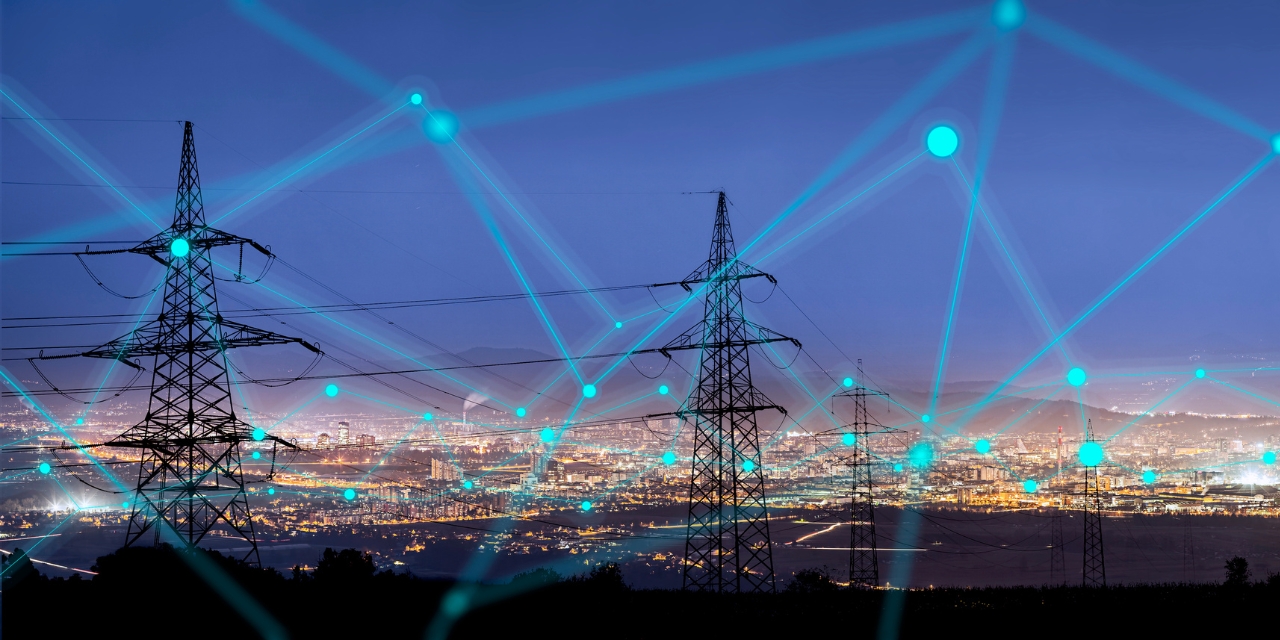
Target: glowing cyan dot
point(1275, 143)
point(548, 435)
point(748, 466)
point(1199, 373)
point(982, 446)
point(331, 390)
point(428, 417)
point(617, 325)
point(271, 491)
point(124, 505)
point(416, 98)
point(663, 390)
point(1091, 454)
point(586, 505)
point(467, 484)
point(925, 418)
point(942, 141)
point(1148, 476)
point(920, 455)
point(1076, 377)
point(1030, 486)
point(349, 494)
point(179, 247)
point(589, 391)
point(520, 412)
point(441, 126)
point(1008, 14)
point(669, 458)
point(257, 455)
point(897, 468)
point(45, 468)
point(79, 420)
point(259, 434)
point(1269, 457)
point(848, 439)
point(848, 382)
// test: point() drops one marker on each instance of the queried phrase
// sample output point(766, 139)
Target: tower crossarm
point(696, 338)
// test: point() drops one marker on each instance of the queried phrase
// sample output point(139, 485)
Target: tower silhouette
point(1057, 551)
point(1095, 570)
point(190, 439)
point(727, 546)
point(864, 560)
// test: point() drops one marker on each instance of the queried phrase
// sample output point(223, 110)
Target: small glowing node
point(1031, 486)
point(349, 494)
point(1148, 476)
point(416, 98)
point(271, 491)
point(897, 468)
point(586, 505)
point(467, 485)
point(663, 390)
point(942, 141)
point(520, 412)
point(925, 418)
point(179, 247)
point(669, 458)
point(331, 390)
point(79, 420)
point(589, 391)
point(748, 466)
point(1076, 377)
point(259, 434)
point(848, 382)
point(428, 417)
point(441, 126)
point(548, 435)
point(848, 439)
point(124, 505)
point(617, 325)
point(1269, 457)
point(1008, 14)
point(1091, 454)
point(920, 455)
point(45, 468)
point(982, 446)
point(1199, 373)
point(1275, 143)
point(257, 455)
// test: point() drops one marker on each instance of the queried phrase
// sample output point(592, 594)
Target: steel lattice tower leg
point(1095, 570)
point(727, 546)
point(864, 560)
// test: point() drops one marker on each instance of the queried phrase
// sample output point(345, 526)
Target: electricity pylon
point(1057, 552)
point(190, 476)
point(1095, 570)
point(727, 546)
point(864, 559)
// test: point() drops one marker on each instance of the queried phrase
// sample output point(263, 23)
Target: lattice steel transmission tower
point(1057, 550)
point(1095, 570)
point(190, 439)
point(727, 547)
point(864, 560)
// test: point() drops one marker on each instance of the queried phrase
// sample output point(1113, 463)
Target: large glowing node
point(428, 417)
point(589, 391)
point(942, 141)
point(548, 435)
point(520, 412)
point(920, 455)
point(669, 458)
point(259, 434)
point(257, 455)
point(848, 439)
point(467, 484)
point(925, 418)
point(44, 467)
point(848, 382)
point(1076, 377)
point(897, 468)
point(586, 505)
point(1269, 457)
point(331, 390)
point(271, 491)
point(1275, 143)
point(1008, 14)
point(1148, 476)
point(1030, 486)
point(617, 325)
point(982, 446)
point(1091, 454)
point(1199, 373)
point(748, 466)
point(663, 390)
point(79, 420)
point(349, 494)
point(440, 126)
point(416, 98)
point(124, 505)
point(179, 247)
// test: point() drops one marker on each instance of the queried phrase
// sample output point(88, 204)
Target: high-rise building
point(365, 440)
point(322, 441)
point(344, 434)
point(443, 470)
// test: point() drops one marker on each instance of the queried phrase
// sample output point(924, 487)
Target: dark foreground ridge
point(346, 596)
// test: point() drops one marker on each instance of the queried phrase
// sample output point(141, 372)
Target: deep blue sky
point(1089, 174)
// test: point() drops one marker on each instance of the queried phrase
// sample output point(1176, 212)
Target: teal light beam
point(1133, 273)
point(42, 539)
point(992, 108)
point(1028, 411)
point(1148, 411)
point(82, 161)
point(1129, 69)
point(1244, 391)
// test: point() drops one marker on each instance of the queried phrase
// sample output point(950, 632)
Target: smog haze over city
point(493, 304)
